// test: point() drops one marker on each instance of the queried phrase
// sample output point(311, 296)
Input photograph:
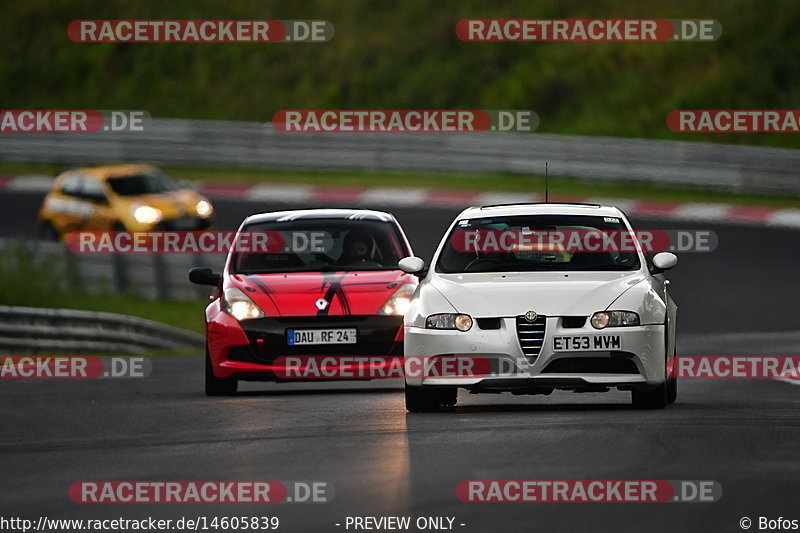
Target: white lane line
point(31, 183)
point(620, 203)
point(279, 193)
point(492, 198)
point(394, 196)
point(699, 211)
point(789, 218)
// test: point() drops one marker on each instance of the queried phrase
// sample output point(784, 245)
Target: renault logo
point(321, 304)
point(531, 316)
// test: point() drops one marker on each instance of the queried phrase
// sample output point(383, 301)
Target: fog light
point(600, 320)
point(463, 322)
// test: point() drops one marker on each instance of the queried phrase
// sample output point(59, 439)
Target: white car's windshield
point(539, 243)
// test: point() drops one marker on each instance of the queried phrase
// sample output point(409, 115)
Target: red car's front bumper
point(257, 349)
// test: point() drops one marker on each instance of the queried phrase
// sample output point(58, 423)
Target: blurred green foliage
point(406, 55)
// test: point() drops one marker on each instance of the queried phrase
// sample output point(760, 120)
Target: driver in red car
point(356, 248)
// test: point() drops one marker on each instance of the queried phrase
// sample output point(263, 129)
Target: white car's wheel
point(652, 399)
point(659, 397)
point(419, 399)
point(672, 381)
point(672, 390)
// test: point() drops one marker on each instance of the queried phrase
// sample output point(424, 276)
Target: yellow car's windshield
point(136, 184)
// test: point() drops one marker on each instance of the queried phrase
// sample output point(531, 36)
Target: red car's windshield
point(314, 245)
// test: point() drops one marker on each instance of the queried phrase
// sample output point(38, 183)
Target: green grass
point(559, 186)
point(33, 280)
point(390, 55)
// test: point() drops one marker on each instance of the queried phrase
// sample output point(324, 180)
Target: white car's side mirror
point(665, 260)
point(412, 265)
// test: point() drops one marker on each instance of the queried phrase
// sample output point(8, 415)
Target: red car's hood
point(344, 293)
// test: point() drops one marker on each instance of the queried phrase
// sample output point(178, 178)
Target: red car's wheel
point(218, 386)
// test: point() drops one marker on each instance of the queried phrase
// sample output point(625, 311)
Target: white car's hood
point(547, 293)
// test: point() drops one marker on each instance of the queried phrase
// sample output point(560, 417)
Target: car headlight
point(459, 321)
point(399, 302)
point(204, 208)
point(614, 319)
point(239, 305)
point(146, 214)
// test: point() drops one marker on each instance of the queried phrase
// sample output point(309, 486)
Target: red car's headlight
point(239, 305)
point(399, 302)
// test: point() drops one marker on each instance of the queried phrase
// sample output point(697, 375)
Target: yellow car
point(121, 197)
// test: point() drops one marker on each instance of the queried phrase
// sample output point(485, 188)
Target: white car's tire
point(652, 399)
point(672, 381)
point(420, 399)
point(661, 396)
point(672, 390)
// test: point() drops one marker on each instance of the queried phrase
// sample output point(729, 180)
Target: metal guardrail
point(31, 330)
point(150, 276)
point(208, 143)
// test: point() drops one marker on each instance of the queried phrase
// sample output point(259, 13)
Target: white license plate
point(295, 337)
point(586, 343)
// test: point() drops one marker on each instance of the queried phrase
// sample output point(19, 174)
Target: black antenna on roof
point(546, 195)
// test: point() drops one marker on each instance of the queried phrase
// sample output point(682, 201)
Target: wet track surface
point(739, 300)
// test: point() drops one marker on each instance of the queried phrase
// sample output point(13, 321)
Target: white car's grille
point(531, 335)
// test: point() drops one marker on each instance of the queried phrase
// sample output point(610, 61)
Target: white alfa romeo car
point(530, 298)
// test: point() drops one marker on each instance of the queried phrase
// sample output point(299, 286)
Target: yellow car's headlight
point(204, 208)
point(145, 214)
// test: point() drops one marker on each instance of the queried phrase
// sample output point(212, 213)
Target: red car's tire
point(218, 386)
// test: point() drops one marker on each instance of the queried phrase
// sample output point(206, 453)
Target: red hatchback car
point(332, 289)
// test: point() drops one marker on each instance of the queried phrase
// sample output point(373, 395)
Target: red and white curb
point(433, 198)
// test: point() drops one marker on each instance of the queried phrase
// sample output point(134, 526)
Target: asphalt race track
point(739, 300)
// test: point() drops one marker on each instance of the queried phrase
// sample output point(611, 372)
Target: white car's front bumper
point(512, 370)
